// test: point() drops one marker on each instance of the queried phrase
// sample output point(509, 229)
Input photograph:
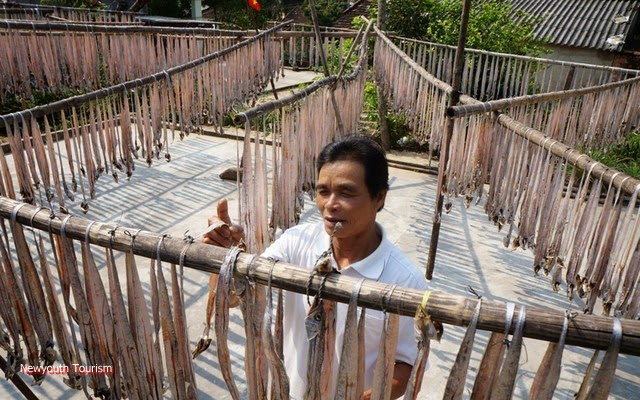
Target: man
point(351, 189)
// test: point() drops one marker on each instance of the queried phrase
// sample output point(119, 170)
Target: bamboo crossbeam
point(273, 105)
point(588, 331)
point(617, 179)
point(495, 105)
point(132, 84)
point(525, 58)
point(87, 10)
point(265, 108)
point(100, 28)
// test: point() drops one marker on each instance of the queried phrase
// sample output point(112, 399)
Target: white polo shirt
point(302, 245)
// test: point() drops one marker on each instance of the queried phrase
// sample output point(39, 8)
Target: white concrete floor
point(178, 196)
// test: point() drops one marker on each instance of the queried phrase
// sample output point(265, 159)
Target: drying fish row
point(40, 59)
point(94, 325)
point(490, 76)
point(594, 248)
point(597, 120)
point(419, 99)
point(495, 379)
point(552, 208)
point(106, 135)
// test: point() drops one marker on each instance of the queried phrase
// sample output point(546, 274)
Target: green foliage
point(238, 13)
point(92, 4)
point(624, 157)
point(328, 11)
point(170, 8)
point(13, 103)
point(491, 25)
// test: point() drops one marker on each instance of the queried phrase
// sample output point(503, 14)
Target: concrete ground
point(178, 196)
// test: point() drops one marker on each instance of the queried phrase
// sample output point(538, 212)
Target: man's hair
point(364, 150)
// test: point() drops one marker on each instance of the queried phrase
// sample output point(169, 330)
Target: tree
point(328, 11)
point(493, 24)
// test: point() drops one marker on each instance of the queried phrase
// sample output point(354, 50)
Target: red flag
point(254, 4)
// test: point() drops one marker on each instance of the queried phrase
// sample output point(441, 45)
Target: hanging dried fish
point(175, 369)
point(506, 379)
point(39, 315)
point(84, 318)
point(141, 329)
point(253, 307)
point(280, 380)
point(604, 378)
point(348, 368)
point(424, 332)
point(134, 383)
point(546, 379)
point(383, 373)
point(224, 289)
point(101, 313)
point(458, 374)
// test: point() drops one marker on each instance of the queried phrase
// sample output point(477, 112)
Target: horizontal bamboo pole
point(61, 8)
point(495, 105)
point(64, 104)
point(98, 28)
point(588, 331)
point(265, 108)
point(626, 183)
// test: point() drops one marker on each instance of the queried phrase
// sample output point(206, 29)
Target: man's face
point(342, 196)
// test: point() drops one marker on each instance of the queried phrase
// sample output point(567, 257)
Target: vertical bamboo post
point(323, 58)
point(382, 101)
point(444, 148)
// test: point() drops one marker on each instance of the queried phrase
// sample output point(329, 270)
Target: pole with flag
point(254, 4)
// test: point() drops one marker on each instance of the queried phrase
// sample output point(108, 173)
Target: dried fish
point(458, 374)
point(424, 332)
point(507, 377)
point(383, 373)
point(546, 379)
point(348, 368)
point(280, 380)
point(222, 319)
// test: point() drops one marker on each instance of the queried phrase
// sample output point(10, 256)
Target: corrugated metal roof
point(582, 23)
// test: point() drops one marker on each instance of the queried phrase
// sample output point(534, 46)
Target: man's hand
point(401, 375)
point(226, 233)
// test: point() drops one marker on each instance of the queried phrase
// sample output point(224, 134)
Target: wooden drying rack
point(589, 331)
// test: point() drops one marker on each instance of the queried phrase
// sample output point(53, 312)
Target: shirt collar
point(371, 267)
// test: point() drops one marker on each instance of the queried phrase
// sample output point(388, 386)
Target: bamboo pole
point(617, 179)
point(50, 108)
point(52, 7)
point(19, 383)
point(585, 330)
point(323, 59)
point(52, 27)
point(495, 105)
point(446, 139)
point(100, 28)
point(265, 108)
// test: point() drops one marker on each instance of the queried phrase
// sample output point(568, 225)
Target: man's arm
point(401, 375)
